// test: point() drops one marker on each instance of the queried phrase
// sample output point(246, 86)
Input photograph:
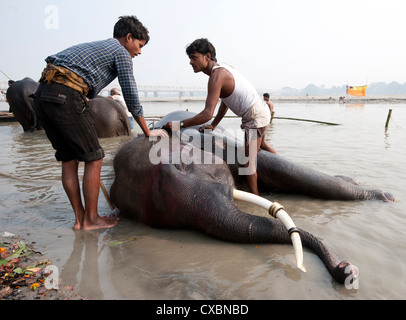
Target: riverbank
point(25, 274)
point(7, 116)
point(341, 99)
point(372, 99)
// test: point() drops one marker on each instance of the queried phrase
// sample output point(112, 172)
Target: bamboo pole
point(106, 195)
point(296, 119)
point(387, 119)
point(284, 118)
point(272, 115)
point(5, 74)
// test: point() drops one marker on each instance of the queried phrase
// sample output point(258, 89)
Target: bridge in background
point(149, 91)
point(173, 91)
point(146, 91)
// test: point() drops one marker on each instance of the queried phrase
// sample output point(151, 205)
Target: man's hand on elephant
point(158, 133)
point(206, 126)
point(168, 127)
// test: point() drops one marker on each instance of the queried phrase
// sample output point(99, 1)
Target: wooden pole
point(106, 195)
point(387, 119)
point(272, 116)
point(296, 119)
point(5, 74)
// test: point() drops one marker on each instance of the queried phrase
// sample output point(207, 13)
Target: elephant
point(174, 194)
point(275, 173)
point(20, 98)
point(109, 117)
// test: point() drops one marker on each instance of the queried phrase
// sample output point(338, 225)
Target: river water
point(134, 261)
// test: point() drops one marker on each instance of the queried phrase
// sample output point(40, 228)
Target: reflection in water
point(84, 276)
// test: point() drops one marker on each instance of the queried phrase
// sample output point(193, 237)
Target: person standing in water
point(238, 95)
point(70, 79)
point(269, 104)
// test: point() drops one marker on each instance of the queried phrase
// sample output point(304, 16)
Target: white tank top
point(244, 94)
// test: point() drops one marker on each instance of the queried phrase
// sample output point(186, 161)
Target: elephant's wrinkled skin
point(110, 118)
point(275, 173)
point(199, 196)
point(19, 96)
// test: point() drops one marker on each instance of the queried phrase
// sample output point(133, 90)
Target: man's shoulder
point(221, 73)
point(111, 44)
point(107, 45)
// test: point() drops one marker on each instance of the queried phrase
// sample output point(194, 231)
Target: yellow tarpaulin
point(359, 91)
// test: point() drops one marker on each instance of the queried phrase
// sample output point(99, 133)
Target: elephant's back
point(109, 117)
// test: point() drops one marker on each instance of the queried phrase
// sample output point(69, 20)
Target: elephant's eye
point(189, 168)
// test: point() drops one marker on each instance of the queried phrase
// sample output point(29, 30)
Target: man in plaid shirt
point(71, 78)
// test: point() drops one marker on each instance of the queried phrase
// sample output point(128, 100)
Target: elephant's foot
point(384, 196)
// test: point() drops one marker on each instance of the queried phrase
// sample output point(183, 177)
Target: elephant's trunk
point(340, 270)
point(228, 223)
point(33, 120)
point(277, 211)
point(263, 230)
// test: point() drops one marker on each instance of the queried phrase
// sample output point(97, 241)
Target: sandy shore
point(290, 99)
point(23, 272)
point(336, 99)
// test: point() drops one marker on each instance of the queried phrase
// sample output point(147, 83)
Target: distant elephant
point(110, 118)
point(20, 98)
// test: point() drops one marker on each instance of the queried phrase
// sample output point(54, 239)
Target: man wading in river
point(70, 79)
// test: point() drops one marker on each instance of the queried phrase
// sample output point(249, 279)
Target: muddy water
point(137, 262)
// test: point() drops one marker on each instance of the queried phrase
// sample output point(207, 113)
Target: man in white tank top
point(236, 94)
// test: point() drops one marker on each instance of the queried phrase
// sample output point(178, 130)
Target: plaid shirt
point(99, 63)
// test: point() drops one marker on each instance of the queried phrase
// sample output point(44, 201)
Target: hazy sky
point(273, 43)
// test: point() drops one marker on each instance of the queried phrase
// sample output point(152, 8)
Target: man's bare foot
point(77, 225)
point(100, 223)
point(78, 221)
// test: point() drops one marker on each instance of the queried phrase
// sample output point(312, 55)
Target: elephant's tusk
point(277, 211)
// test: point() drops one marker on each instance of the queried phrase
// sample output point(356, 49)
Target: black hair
point(130, 24)
point(266, 95)
point(202, 46)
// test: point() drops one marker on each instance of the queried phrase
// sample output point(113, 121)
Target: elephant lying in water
point(110, 118)
point(173, 194)
point(276, 173)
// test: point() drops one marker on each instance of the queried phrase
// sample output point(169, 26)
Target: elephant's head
point(20, 96)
